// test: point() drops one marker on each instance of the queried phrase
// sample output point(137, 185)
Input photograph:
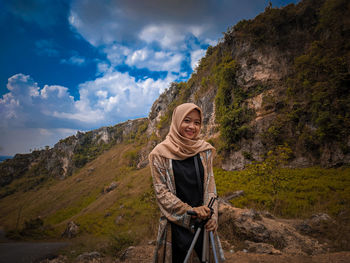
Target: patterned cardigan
point(174, 210)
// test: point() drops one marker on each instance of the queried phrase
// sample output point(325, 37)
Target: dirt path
point(33, 252)
point(241, 257)
point(144, 254)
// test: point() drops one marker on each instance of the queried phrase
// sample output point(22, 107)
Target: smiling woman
point(183, 181)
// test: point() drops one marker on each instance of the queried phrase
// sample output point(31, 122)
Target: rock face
point(262, 234)
point(265, 62)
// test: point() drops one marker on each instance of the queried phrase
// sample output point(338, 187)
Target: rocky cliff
point(281, 78)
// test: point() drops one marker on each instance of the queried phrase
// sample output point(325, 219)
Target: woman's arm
point(212, 224)
point(170, 205)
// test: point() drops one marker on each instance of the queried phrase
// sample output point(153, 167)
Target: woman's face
point(191, 125)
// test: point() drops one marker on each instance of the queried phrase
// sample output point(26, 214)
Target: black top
point(186, 182)
point(187, 190)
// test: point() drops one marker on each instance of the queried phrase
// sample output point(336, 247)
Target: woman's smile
point(189, 132)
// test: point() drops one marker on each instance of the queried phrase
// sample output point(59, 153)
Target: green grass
point(304, 191)
point(73, 209)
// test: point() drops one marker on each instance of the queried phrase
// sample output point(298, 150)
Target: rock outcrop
point(71, 230)
point(261, 234)
point(266, 52)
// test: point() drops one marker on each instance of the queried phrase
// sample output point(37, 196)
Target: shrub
point(132, 157)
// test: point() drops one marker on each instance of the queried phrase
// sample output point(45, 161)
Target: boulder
point(128, 253)
point(276, 235)
point(261, 248)
point(111, 187)
point(89, 257)
point(316, 224)
point(71, 230)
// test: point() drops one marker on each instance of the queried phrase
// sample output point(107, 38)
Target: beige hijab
point(177, 147)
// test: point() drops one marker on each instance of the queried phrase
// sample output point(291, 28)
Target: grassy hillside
point(128, 214)
point(112, 220)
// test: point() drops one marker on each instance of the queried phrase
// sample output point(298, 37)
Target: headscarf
point(177, 147)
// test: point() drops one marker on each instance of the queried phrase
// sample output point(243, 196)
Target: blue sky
point(69, 65)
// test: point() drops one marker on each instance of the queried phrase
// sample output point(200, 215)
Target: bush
point(132, 157)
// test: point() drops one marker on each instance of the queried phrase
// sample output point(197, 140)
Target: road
point(27, 252)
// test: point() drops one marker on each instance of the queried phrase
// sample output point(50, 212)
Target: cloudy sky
point(69, 65)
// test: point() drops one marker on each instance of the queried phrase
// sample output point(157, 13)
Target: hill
point(275, 96)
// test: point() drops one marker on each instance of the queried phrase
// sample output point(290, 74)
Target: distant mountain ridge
point(67, 155)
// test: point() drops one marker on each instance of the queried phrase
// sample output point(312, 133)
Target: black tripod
point(200, 225)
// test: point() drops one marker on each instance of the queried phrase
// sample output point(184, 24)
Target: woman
point(183, 180)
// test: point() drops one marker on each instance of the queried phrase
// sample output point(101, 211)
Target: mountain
point(278, 81)
point(281, 78)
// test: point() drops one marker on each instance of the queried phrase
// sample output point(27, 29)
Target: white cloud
point(102, 67)
point(51, 111)
point(155, 60)
point(119, 96)
point(59, 91)
point(116, 53)
point(98, 30)
point(211, 42)
point(74, 60)
point(26, 105)
point(168, 36)
point(141, 41)
point(196, 56)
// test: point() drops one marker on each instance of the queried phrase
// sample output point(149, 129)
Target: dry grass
point(123, 211)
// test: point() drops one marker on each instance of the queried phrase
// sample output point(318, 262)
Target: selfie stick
point(199, 229)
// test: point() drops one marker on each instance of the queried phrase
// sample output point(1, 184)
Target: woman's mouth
point(190, 132)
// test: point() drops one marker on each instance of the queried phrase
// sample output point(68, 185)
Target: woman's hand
point(211, 225)
point(203, 212)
